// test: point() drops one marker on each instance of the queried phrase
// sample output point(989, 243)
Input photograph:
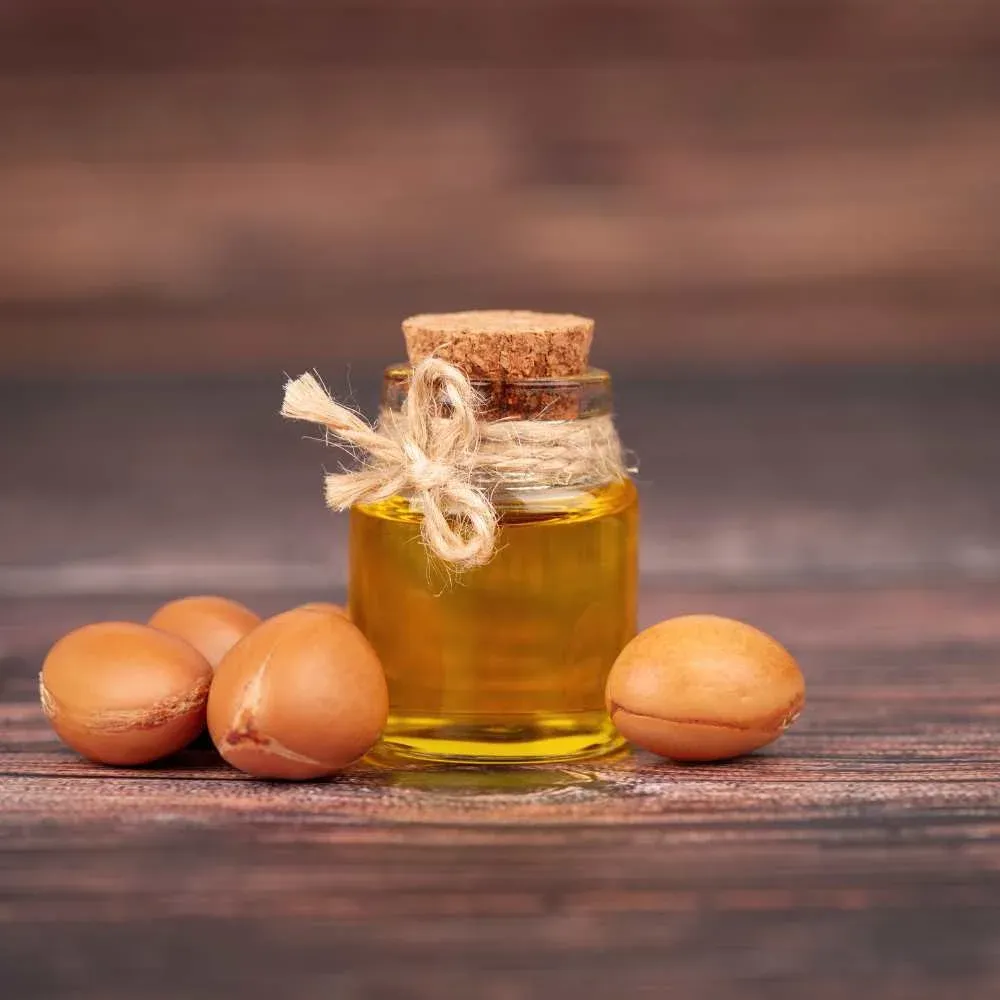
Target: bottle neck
point(565, 399)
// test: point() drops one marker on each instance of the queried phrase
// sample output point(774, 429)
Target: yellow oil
point(506, 662)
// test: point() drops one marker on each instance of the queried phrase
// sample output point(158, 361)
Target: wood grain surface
point(227, 186)
point(855, 517)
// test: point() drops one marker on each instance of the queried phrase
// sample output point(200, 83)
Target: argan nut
point(336, 609)
point(702, 688)
point(120, 693)
point(213, 625)
point(302, 696)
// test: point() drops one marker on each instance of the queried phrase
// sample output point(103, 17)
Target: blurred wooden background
point(254, 185)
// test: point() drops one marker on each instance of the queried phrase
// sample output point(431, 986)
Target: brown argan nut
point(302, 696)
point(324, 606)
point(121, 693)
point(702, 688)
point(213, 625)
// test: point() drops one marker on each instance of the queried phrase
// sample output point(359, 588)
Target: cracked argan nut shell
point(213, 625)
point(302, 696)
point(702, 688)
point(121, 693)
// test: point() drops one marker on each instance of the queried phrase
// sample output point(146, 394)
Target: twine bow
point(437, 452)
point(429, 454)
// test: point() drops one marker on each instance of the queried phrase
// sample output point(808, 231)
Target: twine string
point(437, 452)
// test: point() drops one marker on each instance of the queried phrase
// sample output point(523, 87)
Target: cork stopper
point(503, 344)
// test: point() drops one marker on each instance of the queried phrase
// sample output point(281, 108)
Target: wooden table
point(856, 516)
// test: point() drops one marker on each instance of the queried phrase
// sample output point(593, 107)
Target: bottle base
point(532, 740)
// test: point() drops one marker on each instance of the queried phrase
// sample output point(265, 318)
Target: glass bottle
point(505, 662)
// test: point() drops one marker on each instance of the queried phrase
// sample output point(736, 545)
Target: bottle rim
point(400, 372)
